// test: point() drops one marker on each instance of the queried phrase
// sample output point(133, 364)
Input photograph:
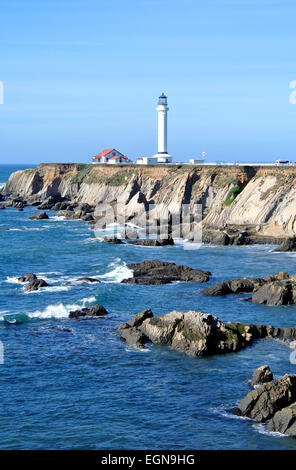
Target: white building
point(110, 156)
point(198, 161)
point(162, 155)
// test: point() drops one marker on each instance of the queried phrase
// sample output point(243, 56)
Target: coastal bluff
point(258, 199)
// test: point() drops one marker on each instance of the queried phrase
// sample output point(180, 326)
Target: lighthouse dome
point(162, 99)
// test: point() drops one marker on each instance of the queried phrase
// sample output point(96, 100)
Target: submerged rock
point(163, 272)
point(95, 311)
point(88, 279)
point(262, 375)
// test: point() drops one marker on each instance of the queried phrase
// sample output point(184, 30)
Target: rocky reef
point(272, 402)
point(276, 289)
point(163, 272)
point(239, 205)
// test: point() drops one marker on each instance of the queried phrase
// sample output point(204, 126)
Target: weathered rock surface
point(263, 206)
point(193, 333)
point(284, 421)
point(261, 376)
point(39, 216)
point(262, 403)
point(130, 331)
point(95, 311)
point(276, 293)
point(163, 272)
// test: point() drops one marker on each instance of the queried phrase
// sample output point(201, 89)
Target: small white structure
point(110, 156)
point(198, 161)
point(147, 161)
point(162, 155)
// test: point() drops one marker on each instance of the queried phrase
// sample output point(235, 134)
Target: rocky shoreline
point(272, 402)
point(249, 215)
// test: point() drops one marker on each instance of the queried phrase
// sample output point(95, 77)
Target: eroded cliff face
point(262, 198)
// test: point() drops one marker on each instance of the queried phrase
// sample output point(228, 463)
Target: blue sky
point(80, 76)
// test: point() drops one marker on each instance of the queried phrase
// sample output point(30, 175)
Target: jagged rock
point(130, 332)
point(63, 206)
point(113, 240)
point(39, 216)
point(262, 375)
point(275, 293)
point(221, 288)
point(35, 285)
point(29, 277)
point(284, 421)
point(193, 333)
point(163, 272)
point(2, 206)
point(88, 279)
point(68, 214)
point(49, 203)
point(276, 289)
point(262, 403)
point(95, 311)
point(288, 244)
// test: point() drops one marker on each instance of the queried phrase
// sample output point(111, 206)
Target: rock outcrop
point(288, 244)
point(163, 272)
point(193, 333)
point(39, 216)
point(240, 205)
point(272, 402)
point(276, 289)
point(261, 376)
point(262, 403)
point(95, 311)
point(34, 285)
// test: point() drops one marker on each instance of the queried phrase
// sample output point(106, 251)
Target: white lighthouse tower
point(162, 109)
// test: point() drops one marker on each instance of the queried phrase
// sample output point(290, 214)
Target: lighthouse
point(162, 111)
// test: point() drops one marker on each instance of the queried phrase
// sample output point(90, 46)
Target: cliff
point(262, 198)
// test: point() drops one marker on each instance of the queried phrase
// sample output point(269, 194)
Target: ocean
point(68, 384)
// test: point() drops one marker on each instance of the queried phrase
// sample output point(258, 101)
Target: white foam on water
point(49, 289)
point(134, 349)
point(2, 185)
point(261, 428)
point(61, 310)
point(223, 410)
point(118, 273)
point(13, 280)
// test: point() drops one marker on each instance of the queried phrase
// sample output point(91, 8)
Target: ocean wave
point(60, 310)
point(118, 272)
